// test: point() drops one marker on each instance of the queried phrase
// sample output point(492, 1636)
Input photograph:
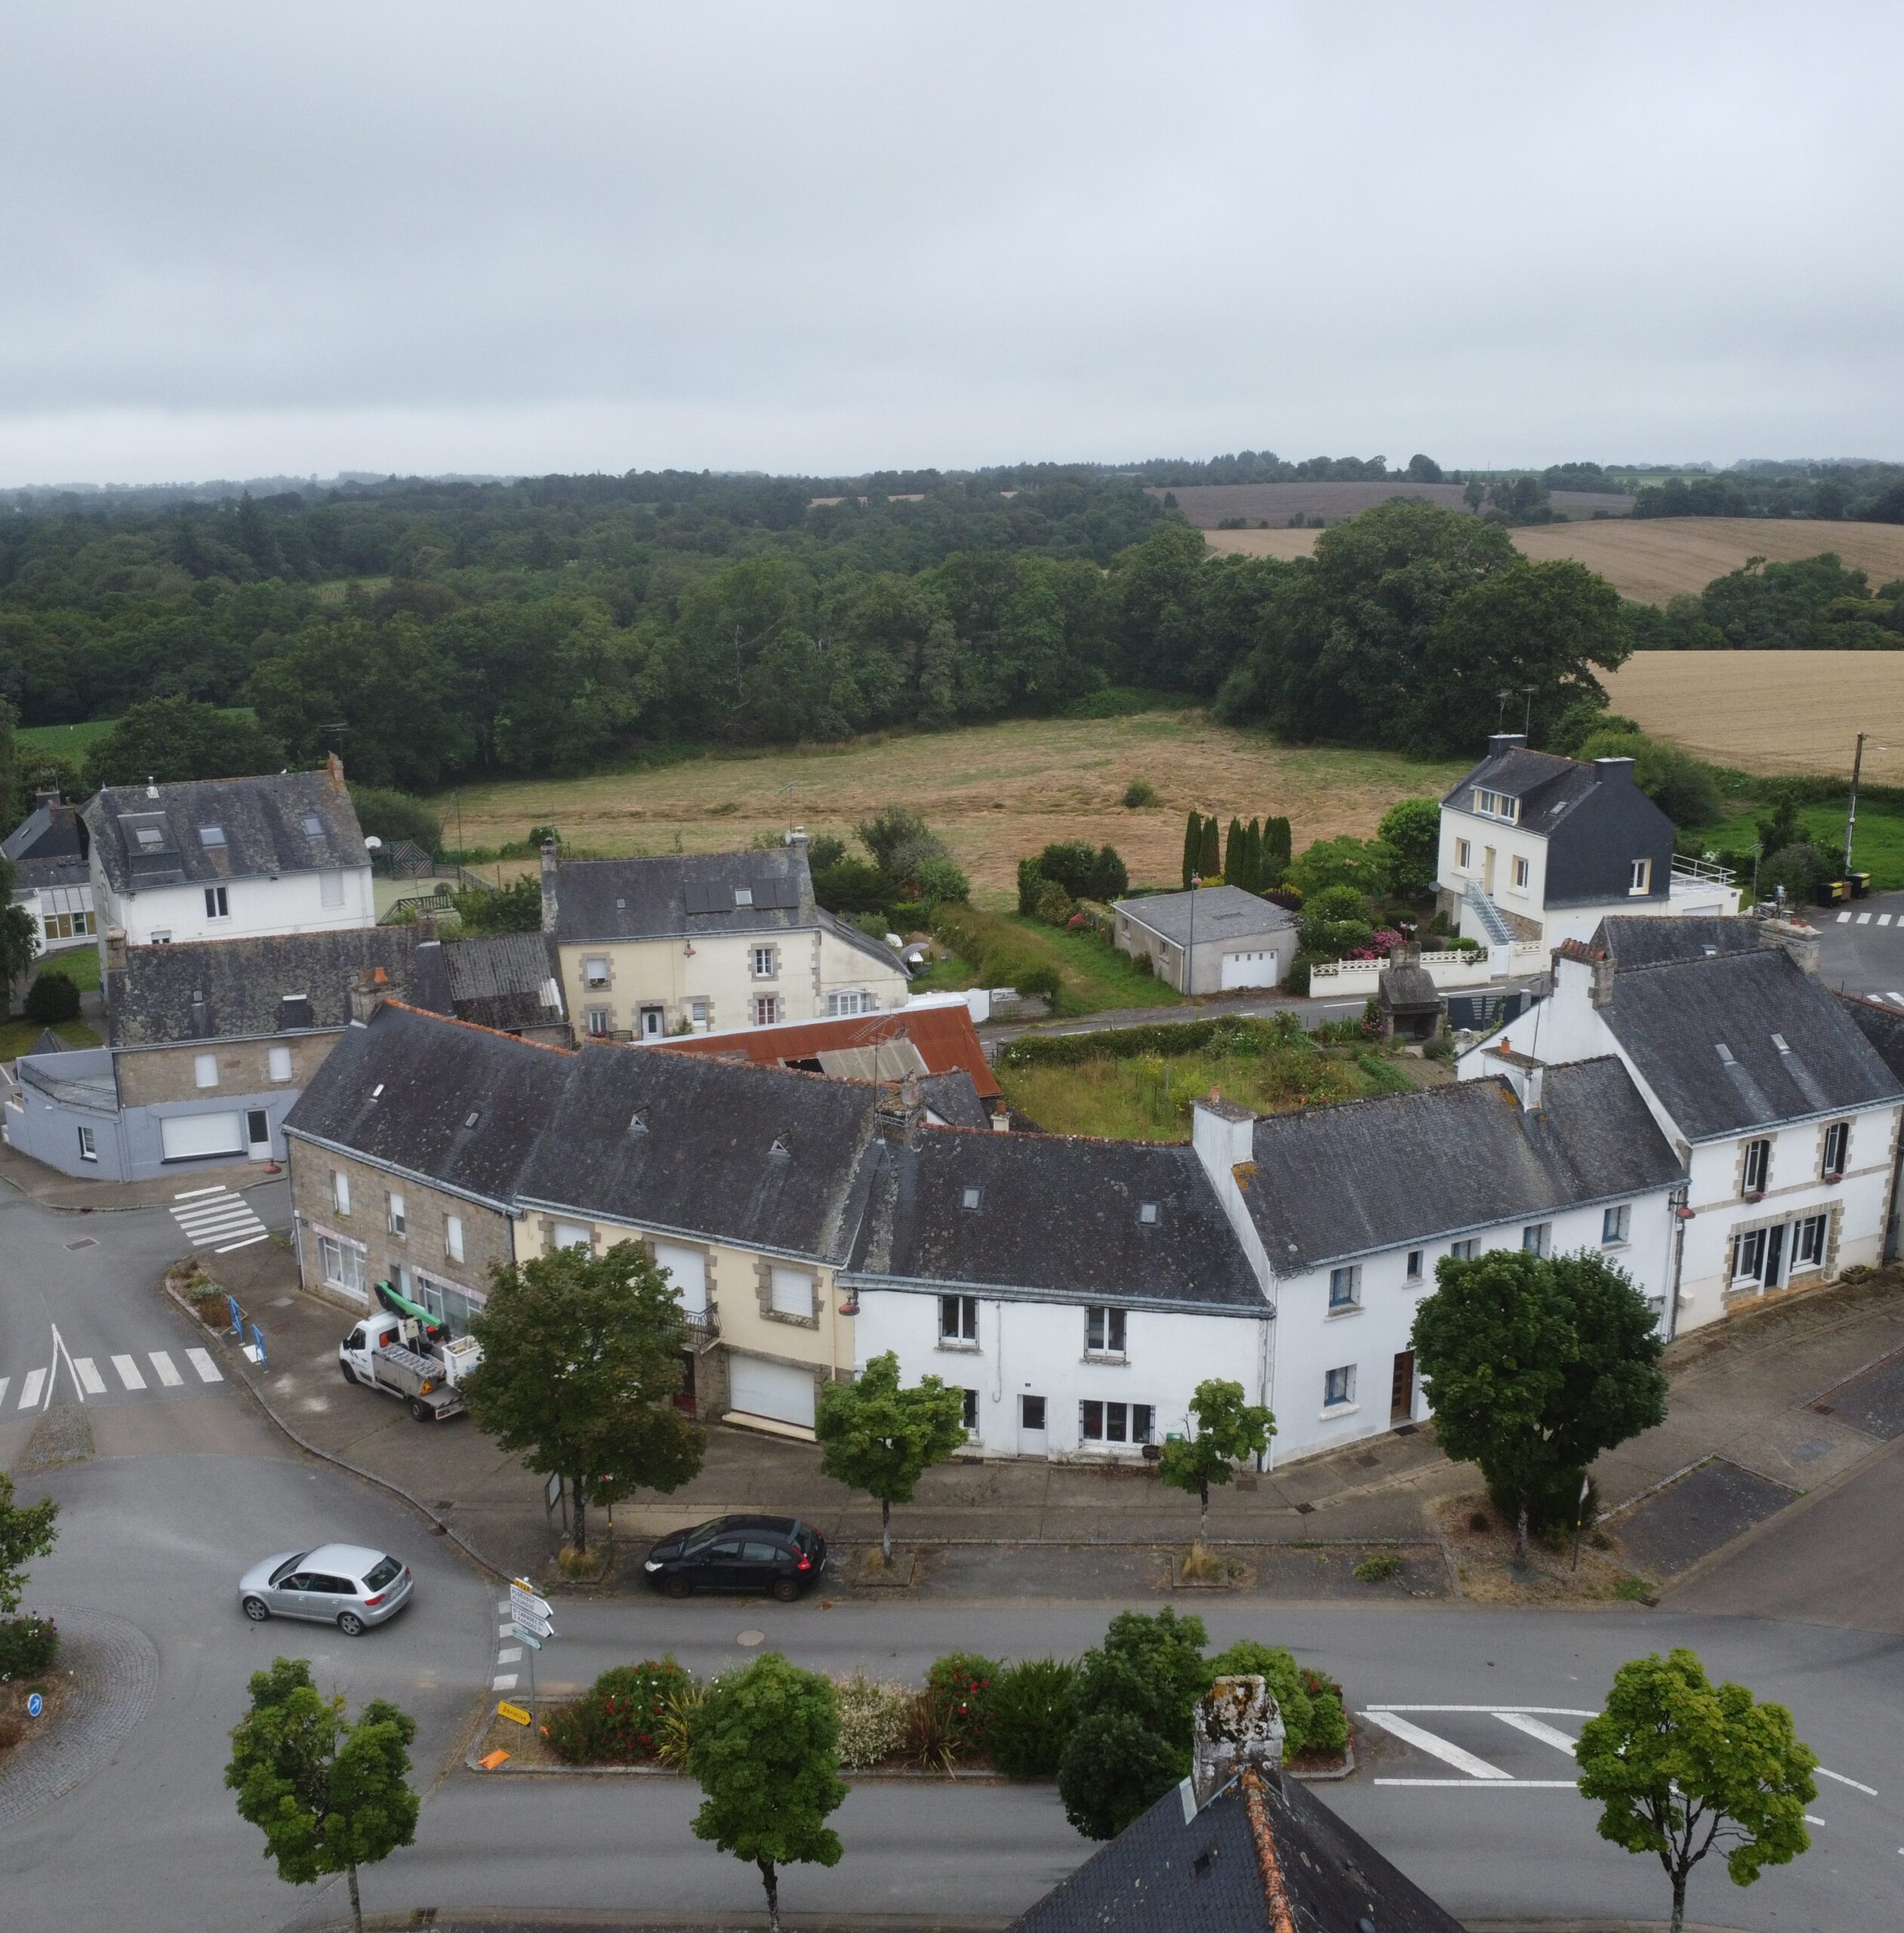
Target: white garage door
point(182, 1137)
point(1249, 970)
point(771, 1389)
point(687, 1269)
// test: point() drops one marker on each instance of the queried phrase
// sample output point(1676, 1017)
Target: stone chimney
point(368, 991)
point(1237, 1724)
point(1599, 984)
point(334, 767)
point(1001, 1119)
point(1533, 1075)
point(1498, 742)
point(1796, 938)
point(115, 959)
point(902, 1108)
point(796, 836)
point(425, 924)
point(550, 862)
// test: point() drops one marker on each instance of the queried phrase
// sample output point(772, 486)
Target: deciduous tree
point(1227, 1431)
point(580, 1355)
point(764, 1745)
point(878, 1438)
point(328, 1796)
point(1411, 829)
point(27, 1531)
point(1680, 1767)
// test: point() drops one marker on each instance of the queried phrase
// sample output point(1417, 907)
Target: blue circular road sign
point(35, 1705)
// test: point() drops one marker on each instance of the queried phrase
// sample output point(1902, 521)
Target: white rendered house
point(229, 858)
point(1538, 847)
point(1784, 1113)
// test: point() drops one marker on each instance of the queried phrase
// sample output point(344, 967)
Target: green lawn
point(1093, 976)
point(17, 1036)
point(80, 965)
point(68, 741)
point(1879, 851)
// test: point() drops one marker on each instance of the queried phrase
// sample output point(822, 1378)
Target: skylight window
point(1779, 1041)
point(376, 1090)
point(970, 1197)
point(744, 895)
point(474, 1115)
point(1146, 1213)
point(312, 825)
point(1725, 1053)
point(149, 838)
point(211, 835)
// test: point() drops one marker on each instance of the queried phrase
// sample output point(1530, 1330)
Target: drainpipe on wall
point(1681, 1214)
point(1265, 1381)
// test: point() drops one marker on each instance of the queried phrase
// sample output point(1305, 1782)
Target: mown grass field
point(1093, 977)
point(1879, 850)
point(1208, 504)
point(995, 792)
point(1775, 712)
point(71, 741)
point(1653, 558)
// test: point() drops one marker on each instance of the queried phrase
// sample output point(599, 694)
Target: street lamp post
point(1851, 817)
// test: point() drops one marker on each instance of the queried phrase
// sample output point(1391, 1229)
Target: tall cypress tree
point(1193, 846)
point(1210, 859)
point(1281, 849)
point(1233, 867)
point(1252, 851)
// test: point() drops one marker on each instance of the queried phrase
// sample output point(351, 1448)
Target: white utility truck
point(403, 1352)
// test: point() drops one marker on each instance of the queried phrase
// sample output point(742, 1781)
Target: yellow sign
point(504, 1709)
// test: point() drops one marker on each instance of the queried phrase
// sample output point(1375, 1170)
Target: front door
point(1401, 1394)
point(1774, 1254)
point(653, 1023)
point(1487, 870)
point(257, 1134)
point(1032, 1439)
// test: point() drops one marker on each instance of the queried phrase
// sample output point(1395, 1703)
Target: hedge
point(1167, 1037)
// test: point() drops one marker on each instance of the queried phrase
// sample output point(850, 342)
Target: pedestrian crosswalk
point(1866, 919)
point(217, 1219)
point(87, 1378)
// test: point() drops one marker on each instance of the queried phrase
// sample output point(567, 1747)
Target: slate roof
point(265, 821)
point(1407, 986)
point(1881, 1023)
point(458, 1105)
point(1226, 915)
point(1548, 786)
point(48, 847)
point(1705, 1034)
point(681, 895)
point(1056, 1216)
point(753, 1155)
point(288, 983)
point(1659, 941)
point(1337, 1182)
point(1180, 1870)
point(955, 1100)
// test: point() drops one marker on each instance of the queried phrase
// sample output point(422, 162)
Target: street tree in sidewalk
point(1680, 1767)
point(27, 1531)
point(878, 1438)
point(328, 1796)
point(1227, 1431)
point(764, 1747)
point(580, 1355)
point(1535, 1366)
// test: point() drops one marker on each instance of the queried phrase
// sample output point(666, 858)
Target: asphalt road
point(191, 1483)
point(1861, 946)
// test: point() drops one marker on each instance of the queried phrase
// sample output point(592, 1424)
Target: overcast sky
point(237, 240)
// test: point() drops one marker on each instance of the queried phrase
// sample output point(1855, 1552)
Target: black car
point(777, 1556)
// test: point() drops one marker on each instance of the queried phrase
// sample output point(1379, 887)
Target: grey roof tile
point(1660, 940)
point(1333, 1182)
point(1222, 913)
point(1548, 786)
point(265, 823)
point(1882, 1025)
point(683, 894)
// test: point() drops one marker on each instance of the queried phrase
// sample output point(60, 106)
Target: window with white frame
point(1465, 1250)
point(1749, 1252)
point(697, 1015)
point(1496, 805)
point(330, 889)
point(1537, 1238)
point(1808, 1238)
point(1837, 1145)
point(1758, 1167)
point(1464, 854)
point(205, 1070)
point(1104, 1331)
point(342, 1263)
point(1412, 1272)
point(601, 1023)
point(1522, 871)
point(1617, 1225)
point(766, 1009)
point(790, 1292)
point(763, 963)
point(1338, 1387)
point(163, 937)
point(958, 1318)
point(970, 1417)
point(1640, 879)
point(278, 1063)
point(397, 1222)
point(217, 903)
point(453, 1237)
point(572, 1234)
point(1116, 1423)
point(340, 1191)
point(88, 1146)
point(1344, 1288)
point(850, 1001)
point(595, 970)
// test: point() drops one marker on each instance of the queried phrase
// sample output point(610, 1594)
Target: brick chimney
point(115, 959)
point(1795, 938)
point(902, 1109)
point(549, 866)
point(368, 991)
point(1237, 1723)
point(334, 767)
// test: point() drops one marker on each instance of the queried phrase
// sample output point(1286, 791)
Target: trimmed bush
point(1233, 1033)
point(51, 1000)
point(1328, 1721)
point(959, 1687)
point(1031, 1717)
point(1139, 793)
point(1054, 905)
point(28, 1647)
point(874, 1714)
point(622, 1719)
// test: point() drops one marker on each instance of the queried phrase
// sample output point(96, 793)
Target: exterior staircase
point(1488, 917)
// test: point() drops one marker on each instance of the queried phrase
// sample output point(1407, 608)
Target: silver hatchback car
point(343, 1584)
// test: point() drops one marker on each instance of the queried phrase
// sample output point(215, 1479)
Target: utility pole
point(1527, 723)
point(1851, 817)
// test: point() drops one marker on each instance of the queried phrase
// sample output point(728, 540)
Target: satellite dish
point(372, 843)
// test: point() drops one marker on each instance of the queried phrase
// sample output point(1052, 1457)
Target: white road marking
point(218, 1224)
point(193, 1194)
point(1810, 1821)
point(216, 1213)
point(30, 1390)
point(1424, 1740)
point(3, 1381)
point(506, 1630)
point(53, 1369)
point(1544, 1711)
point(95, 1383)
point(208, 1370)
point(128, 1371)
point(1883, 919)
point(1490, 1785)
point(1864, 919)
point(1844, 919)
point(263, 1234)
point(503, 1680)
point(167, 1373)
point(1855, 1785)
point(1897, 996)
point(510, 1655)
point(1547, 1734)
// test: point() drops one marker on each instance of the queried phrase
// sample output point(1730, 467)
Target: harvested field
point(1653, 558)
point(996, 792)
point(1771, 711)
point(1207, 505)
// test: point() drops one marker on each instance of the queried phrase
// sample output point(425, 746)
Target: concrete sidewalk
point(51, 1189)
point(1739, 1394)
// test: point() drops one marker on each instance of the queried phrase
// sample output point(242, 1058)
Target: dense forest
point(432, 630)
point(1868, 492)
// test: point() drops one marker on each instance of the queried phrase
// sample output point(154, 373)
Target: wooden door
point(1401, 1394)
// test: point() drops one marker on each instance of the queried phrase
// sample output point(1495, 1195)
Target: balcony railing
point(1701, 870)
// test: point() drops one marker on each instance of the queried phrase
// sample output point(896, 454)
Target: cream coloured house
point(696, 943)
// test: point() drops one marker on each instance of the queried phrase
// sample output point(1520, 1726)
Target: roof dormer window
point(149, 838)
point(208, 835)
point(1496, 805)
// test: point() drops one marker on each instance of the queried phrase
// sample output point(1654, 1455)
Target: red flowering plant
point(617, 1721)
point(959, 1687)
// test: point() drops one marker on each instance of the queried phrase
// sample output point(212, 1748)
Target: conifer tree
point(1233, 864)
point(1210, 857)
point(1193, 846)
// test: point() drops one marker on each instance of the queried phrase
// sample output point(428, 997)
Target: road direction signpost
point(529, 1617)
